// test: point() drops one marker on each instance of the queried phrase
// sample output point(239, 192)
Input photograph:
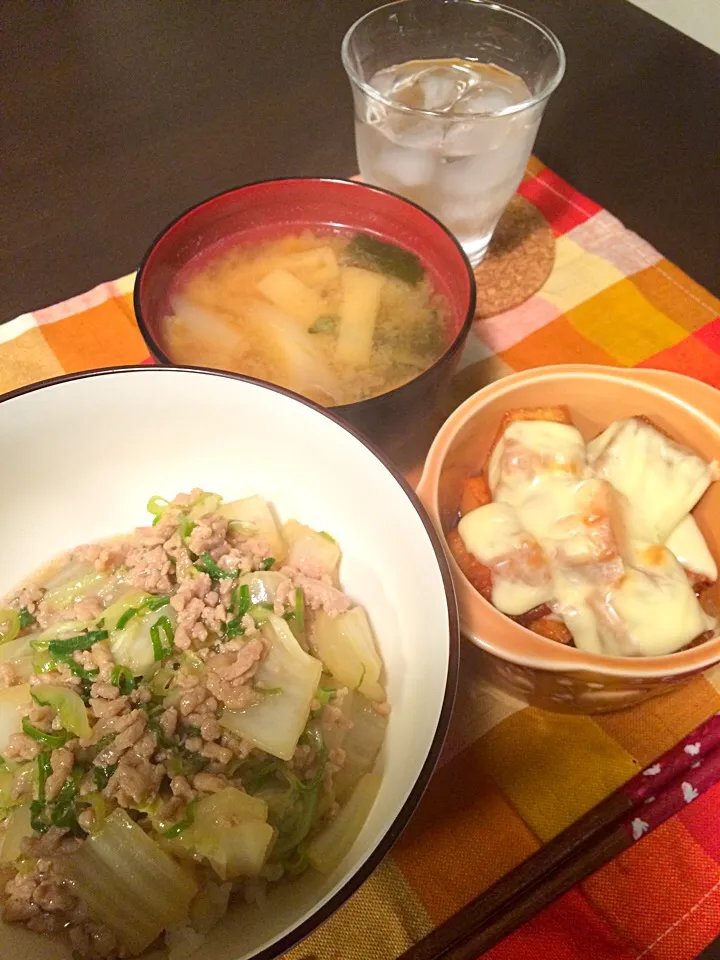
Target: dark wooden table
point(118, 114)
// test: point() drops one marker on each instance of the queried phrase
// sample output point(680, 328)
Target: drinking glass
point(448, 97)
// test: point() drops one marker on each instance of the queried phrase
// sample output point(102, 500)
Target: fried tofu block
point(551, 629)
point(476, 493)
point(551, 414)
point(477, 573)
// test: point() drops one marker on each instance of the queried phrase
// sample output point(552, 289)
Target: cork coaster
point(518, 262)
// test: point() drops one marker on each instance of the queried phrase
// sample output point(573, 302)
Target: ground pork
point(61, 676)
point(209, 782)
point(180, 787)
point(105, 557)
point(22, 747)
point(8, 676)
point(61, 761)
point(198, 609)
point(318, 593)
point(108, 708)
point(88, 608)
point(168, 722)
point(136, 780)
point(149, 569)
point(51, 845)
point(229, 674)
point(129, 728)
point(93, 941)
point(29, 597)
point(106, 691)
point(209, 536)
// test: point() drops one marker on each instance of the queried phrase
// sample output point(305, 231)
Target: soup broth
point(338, 318)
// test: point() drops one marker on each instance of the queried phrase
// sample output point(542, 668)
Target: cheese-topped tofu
point(661, 480)
point(521, 578)
point(533, 451)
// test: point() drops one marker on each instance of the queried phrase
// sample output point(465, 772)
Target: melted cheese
point(656, 606)
point(521, 576)
point(532, 450)
point(661, 480)
point(689, 546)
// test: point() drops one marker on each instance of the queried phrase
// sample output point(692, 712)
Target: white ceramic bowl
point(79, 458)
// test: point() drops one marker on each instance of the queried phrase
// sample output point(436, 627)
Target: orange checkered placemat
point(512, 776)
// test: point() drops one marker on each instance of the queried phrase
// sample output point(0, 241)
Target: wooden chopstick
point(647, 800)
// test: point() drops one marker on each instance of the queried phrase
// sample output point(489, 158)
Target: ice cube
point(440, 87)
point(408, 167)
point(485, 98)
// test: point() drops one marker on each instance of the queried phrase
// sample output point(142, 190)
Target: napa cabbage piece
point(15, 703)
point(328, 848)
point(17, 829)
point(77, 580)
point(229, 831)
point(67, 704)
point(209, 906)
point(129, 599)
point(361, 744)
point(310, 550)
point(277, 721)
point(347, 647)
point(129, 883)
point(17, 649)
point(255, 516)
point(263, 585)
point(132, 646)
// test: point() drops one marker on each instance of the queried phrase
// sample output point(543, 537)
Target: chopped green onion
point(260, 612)
point(241, 600)
point(26, 618)
point(186, 527)
point(324, 695)
point(101, 775)
point(65, 648)
point(36, 822)
point(162, 649)
point(178, 828)
point(157, 507)
point(44, 770)
point(155, 603)
point(234, 628)
point(123, 678)
point(149, 603)
point(52, 740)
point(79, 671)
point(126, 617)
point(267, 563)
point(300, 610)
point(64, 813)
point(206, 564)
point(9, 625)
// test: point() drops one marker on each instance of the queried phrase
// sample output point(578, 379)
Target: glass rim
point(378, 97)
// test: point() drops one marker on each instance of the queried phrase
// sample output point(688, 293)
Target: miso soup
point(338, 317)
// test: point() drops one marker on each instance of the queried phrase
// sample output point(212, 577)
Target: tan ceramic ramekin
point(539, 670)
